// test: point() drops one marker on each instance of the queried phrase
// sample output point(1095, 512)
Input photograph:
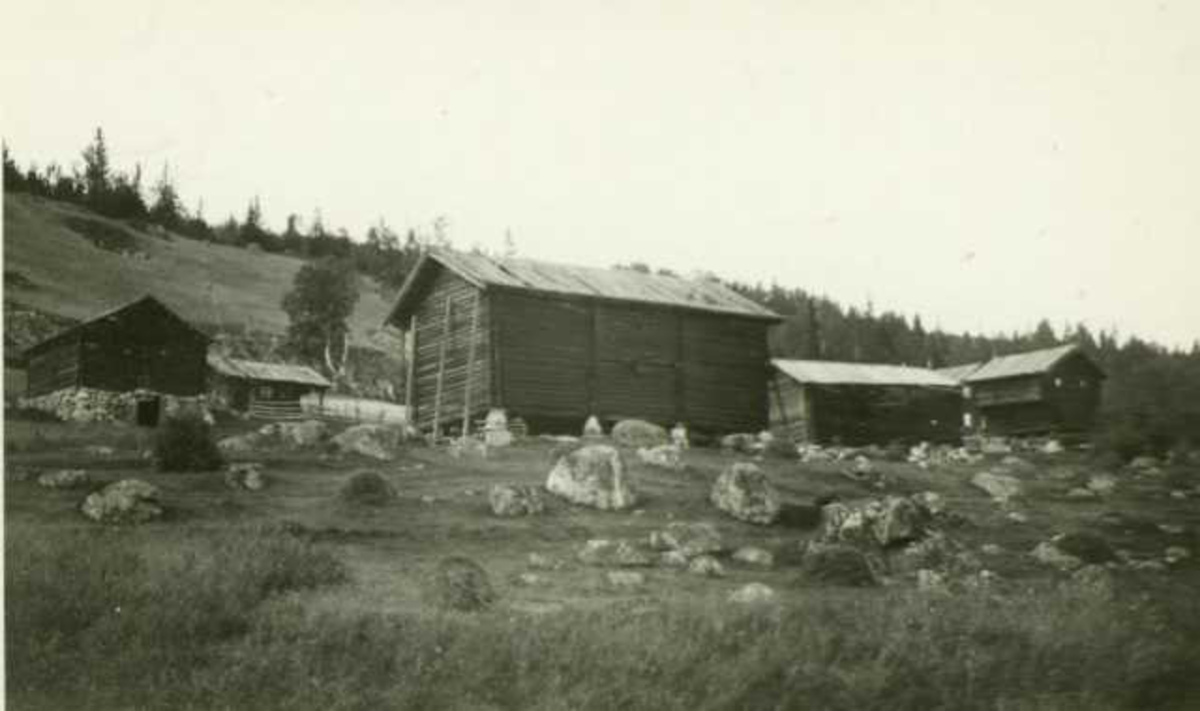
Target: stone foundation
point(91, 405)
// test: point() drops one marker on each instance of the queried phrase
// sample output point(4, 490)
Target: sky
point(983, 164)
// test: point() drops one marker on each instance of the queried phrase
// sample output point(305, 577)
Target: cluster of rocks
point(1070, 552)
point(665, 456)
point(864, 543)
point(127, 501)
point(510, 500)
point(92, 405)
point(64, 479)
point(1000, 486)
point(309, 433)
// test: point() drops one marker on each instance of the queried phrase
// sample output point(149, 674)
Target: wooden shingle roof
point(269, 372)
point(487, 272)
point(820, 372)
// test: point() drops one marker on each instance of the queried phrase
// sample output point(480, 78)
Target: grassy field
point(294, 598)
point(53, 268)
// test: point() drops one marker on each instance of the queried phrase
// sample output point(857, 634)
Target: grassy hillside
point(67, 261)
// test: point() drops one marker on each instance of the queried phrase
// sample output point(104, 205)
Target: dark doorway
point(147, 412)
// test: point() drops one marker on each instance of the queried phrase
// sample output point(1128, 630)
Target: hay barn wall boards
point(860, 403)
point(1053, 390)
point(553, 343)
point(142, 345)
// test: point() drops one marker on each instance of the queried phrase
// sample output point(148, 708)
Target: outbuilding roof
point(271, 372)
point(113, 315)
point(1017, 364)
point(958, 373)
point(485, 272)
point(822, 372)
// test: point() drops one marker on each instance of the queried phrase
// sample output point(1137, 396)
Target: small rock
point(1017, 517)
point(690, 539)
point(1176, 554)
point(125, 501)
point(1179, 494)
point(1014, 462)
point(1081, 493)
point(601, 551)
point(513, 500)
point(999, 486)
point(1052, 446)
point(625, 579)
point(64, 479)
point(706, 565)
point(638, 433)
point(673, 559)
point(468, 448)
point(531, 580)
point(1102, 484)
point(592, 427)
point(98, 450)
point(753, 594)
point(1154, 566)
point(1143, 463)
point(679, 436)
point(991, 549)
point(240, 444)
point(428, 500)
point(931, 502)
point(666, 456)
point(1049, 554)
point(1173, 529)
point(930, 581)
point(741, 442)
point(245, 475)
point(752, 555)
point(540, 561)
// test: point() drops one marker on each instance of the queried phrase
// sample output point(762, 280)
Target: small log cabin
point(1049, 391)
point(553, 344)
point(142, 346)
point(860, 403)
point(267, 390)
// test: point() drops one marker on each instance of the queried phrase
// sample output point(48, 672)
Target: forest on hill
point(1152, 395)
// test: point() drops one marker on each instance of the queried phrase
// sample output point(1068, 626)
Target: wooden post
point(466, 416)
point(441, 372)
point(410, 368)
point(593, 356)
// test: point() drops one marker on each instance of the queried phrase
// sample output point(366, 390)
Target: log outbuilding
point(553, 344)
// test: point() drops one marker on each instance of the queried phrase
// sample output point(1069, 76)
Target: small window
point(1058, 382)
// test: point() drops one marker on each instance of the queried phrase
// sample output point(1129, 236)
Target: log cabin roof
point(269, 372)
point(959, 373)
point(113, 315)
point(486, 272)
point(821, 372)
point(1023, 364)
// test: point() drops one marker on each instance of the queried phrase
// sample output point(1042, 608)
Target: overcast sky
point(979, 163)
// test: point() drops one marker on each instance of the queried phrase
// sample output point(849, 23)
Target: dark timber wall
point(555, 360)
point(141, 346)
point(1064, 399)
point(866, 414)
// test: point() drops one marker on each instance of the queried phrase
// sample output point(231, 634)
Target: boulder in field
point(690, 539)
point(541, 561)
point(754, 556)
point(460, 584)
point(605, 552)
point(930, 502)
point(665, 456)
point(593, 475)
point(1000, 487)
point(1049, 554)
point(639, 433)
point(673, 559)
point(1102, 484)
point(514, 500)
point(744, 492)
point(592, 428)
point(899, 521)
point(753, 594)
point(706, 565)
point(64, 479)
point(369, 440)
point(240, 444)
point(125, 501)
point(625, 579)
point(305, 434)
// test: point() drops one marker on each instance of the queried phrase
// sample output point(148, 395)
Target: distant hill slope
point(69, 262)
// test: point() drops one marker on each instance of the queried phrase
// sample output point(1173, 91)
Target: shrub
point(460, 584)
point(837, 564)
point(185, 444)
point(1086, 546)
point(367, 488)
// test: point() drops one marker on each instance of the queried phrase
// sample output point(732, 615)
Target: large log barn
point(553, 344)
point(1053, 390)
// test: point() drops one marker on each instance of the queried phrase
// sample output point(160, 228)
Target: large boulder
point(593, 475)
point(754, 556)
point(690, 539)
point(604, 552)
point(753, 594)
point(639, 433)
point(305, 434)
point(514, 500)
point(369, 440)
point(1000, 487)
point(64, 479)
point(744, 492)
point(125, 501)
